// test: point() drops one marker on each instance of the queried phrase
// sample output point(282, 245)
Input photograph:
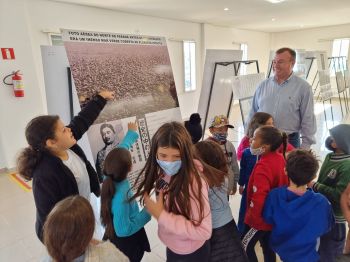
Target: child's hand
point(132, 126)
point(95, 242)
point(233, 190)
point(108, 95)
point(241, 188)
point(155, 208)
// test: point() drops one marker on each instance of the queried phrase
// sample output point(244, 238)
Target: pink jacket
point(178, 233)
point(242, 145)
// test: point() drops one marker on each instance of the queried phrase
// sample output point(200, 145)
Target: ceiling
point(258, 15)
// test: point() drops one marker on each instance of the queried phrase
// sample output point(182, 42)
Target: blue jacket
point(247, 164)
point(127, 218)
point(297, 223)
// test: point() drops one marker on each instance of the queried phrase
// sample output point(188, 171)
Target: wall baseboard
point(6, 170)
point(3, 170)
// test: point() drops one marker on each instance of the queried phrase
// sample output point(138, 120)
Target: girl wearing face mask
point(182, 206)
point(219, 131)
point(248, 160)
point(267, 174)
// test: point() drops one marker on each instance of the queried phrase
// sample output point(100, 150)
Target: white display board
point(340, 81)
point(222, 86)
point(322, 60)
point(138, 69)
point(300, 66)
point(325, 84)
point(347, 78)
point(55, 64)
point(245, 86)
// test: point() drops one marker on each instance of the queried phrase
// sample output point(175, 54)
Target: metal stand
point(325, 114)
point(341, 65)
point(236, 66)
point(70, 93)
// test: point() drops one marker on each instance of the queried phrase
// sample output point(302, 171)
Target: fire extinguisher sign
point(7, 53)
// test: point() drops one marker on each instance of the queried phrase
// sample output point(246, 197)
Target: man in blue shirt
point(289, 99)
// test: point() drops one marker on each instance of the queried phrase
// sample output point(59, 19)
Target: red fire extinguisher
point(17, 83)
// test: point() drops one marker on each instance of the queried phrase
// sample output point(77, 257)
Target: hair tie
point(34, 148)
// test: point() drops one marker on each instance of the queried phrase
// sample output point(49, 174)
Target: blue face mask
point(221, 137)
point(257, 151)
point(170, 168)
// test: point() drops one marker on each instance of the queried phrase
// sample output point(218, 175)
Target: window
point(55, 39)
point(243, 67)
point(340, 49)
point(189, 50)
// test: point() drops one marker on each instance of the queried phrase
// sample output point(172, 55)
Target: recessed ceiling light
point(273, 19)
point(275, 1)
point(226, 9)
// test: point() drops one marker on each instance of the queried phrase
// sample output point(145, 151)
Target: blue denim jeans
point(242, 211)
point(294, 139)
point(332, 243)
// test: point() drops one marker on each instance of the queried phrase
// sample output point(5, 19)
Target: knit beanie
point(341, 136)
point(195, 119)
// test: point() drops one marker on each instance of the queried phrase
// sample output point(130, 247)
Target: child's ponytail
point(107, 193)
point(273, 137)
point(37, 132)
point(27, 161)
point(284, 143)
point(116, 167)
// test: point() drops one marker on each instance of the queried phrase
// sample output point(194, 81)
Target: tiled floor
point(18, 241)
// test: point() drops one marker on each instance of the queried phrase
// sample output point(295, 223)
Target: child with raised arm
point(55, 162)
point(123, 220)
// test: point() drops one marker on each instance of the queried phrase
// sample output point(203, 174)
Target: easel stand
point(236, 66)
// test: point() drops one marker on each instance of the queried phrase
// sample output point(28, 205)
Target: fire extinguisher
point(17, 83)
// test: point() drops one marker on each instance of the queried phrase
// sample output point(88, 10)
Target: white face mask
point(257, 151)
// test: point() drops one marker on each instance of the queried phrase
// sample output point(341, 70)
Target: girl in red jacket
point(267, 174)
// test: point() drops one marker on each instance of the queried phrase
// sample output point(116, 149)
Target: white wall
point(16, 112)
point(25, 34)
point(53, 16)
point(311, 39)
point(229, 38)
